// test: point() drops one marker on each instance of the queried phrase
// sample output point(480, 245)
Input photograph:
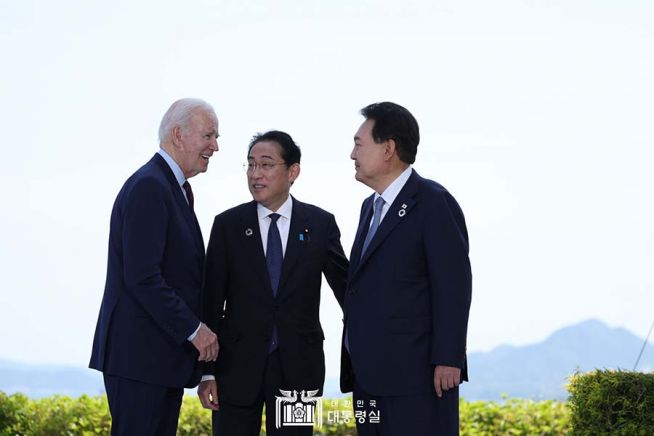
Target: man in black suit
point(149, 337)
point(409, 288)
point(263, 273)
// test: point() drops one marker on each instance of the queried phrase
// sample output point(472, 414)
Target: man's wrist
point(194, 334)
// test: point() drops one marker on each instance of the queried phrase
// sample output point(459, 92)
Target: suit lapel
point(189, 215)
point(250, 237)
point(294, 245)
point(400, 208)
point(362, 231)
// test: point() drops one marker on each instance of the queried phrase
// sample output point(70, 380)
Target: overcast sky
point(536, 115)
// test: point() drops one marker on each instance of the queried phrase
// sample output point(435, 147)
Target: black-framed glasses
point(265, 167)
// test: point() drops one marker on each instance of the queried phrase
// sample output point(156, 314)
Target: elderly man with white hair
point(149, 339)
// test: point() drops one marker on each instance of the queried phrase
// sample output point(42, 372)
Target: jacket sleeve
point(446, 249)
point(336, 264)
point(215, 283)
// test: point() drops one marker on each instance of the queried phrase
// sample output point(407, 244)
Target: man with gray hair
point(149, 337)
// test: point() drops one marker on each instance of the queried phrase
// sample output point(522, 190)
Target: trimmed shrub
point(59, 415)
point(606, 402)
point(514, 417)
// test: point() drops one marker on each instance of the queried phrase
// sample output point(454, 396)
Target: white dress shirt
point(283, 222)
point(391, 193)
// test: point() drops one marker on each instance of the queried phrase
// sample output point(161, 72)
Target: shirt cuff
point(194, 334)
point(207, 378)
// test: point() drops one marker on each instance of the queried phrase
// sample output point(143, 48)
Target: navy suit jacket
point(152, 295)
point(239, 304)
point(408, 298)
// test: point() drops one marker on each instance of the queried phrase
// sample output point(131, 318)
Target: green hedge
point(606, 402)
point(59, 415)
point(601, 403)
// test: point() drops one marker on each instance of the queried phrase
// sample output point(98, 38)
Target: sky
point(536, 116)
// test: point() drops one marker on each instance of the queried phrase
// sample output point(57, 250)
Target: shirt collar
point(284, 210)
point(177, 171)
point(391, 193)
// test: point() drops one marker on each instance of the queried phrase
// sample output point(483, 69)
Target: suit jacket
point(152, 295)
point(408, 297)
point(239, 304)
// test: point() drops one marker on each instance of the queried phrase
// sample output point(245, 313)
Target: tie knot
point(274, 217)
point(379, 203)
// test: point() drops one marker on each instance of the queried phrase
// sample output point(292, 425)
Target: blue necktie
point(274, 253)
point(376, 217)
point(274, 256)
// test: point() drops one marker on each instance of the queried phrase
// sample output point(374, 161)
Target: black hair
point(393, 121)
point(291, 153)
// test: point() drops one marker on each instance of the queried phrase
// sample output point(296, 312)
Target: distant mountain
point(540, 371)
point(537, 371)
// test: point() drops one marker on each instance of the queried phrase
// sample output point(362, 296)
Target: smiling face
point(270, 185)
point(195, 143)
point(370, 158)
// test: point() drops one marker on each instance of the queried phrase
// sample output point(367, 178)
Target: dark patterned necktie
point(189, 193)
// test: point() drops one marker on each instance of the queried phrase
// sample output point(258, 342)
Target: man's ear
point(293, 172)
point(176, 135)
point(389, 148)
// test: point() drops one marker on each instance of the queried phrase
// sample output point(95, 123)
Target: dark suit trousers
point(233, 420)
point(139, 408)
point(415, 415)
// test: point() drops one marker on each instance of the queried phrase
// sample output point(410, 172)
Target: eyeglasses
point(265, 167)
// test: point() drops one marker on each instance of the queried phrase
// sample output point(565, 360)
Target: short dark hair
point(392, 121)
point(290, 151)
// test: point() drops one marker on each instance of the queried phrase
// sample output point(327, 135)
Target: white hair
point(179, 114)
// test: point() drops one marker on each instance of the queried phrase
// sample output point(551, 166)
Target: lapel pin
point(248, 232)
point(401, 212)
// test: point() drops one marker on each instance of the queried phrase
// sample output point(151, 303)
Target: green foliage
point(59, 415)
point(601, 403)
point(513, 417)
point(606, 402)
point(194, 420)
point(56, 415)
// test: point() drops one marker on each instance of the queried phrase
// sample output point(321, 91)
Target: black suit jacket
point(408, 298)
point(239, 304)
point(152, 296)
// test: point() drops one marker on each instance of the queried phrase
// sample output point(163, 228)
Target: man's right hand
point(206, 343)
point(208, 393)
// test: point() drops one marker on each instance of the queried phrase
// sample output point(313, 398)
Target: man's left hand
point(445, 378)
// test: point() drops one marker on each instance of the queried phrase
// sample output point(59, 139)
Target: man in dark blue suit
point(409, 288)
point(149, 337)
point(265, 262)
